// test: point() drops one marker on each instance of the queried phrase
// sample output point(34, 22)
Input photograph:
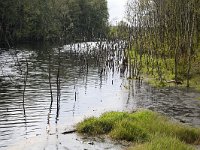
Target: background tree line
point(69, 20)
point(165, 39)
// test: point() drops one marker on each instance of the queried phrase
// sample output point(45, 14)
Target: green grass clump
point(163, 143)
point(129, 131)
point(94, 126)
point(102, 125)
point(141, 126)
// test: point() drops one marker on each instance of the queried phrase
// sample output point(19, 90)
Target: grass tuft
point(94, 126)
point(129, 131)
point(142, 126)
point(163, 143)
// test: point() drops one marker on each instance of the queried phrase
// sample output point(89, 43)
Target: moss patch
point(139, 127)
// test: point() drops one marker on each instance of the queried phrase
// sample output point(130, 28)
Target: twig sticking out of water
point(25, 81)
point(50, 85)
point(58, 85)
point(70, 131)
point(50, 88)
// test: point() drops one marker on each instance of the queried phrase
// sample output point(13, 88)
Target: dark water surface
point(85, 91)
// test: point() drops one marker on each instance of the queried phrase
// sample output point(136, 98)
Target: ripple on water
point(83, 93)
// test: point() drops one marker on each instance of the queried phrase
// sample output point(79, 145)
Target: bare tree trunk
point(190, 52)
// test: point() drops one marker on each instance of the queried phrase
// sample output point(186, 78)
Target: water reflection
point(90, 84)
point(83, 91)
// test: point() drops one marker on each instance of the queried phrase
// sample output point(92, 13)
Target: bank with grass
point(144, 129)
point(164, 41)
point(160, 70)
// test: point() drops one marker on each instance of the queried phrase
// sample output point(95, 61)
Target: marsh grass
point(140, 127)
point(163, 143)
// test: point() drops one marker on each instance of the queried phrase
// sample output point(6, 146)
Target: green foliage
point(142, 126)
point(168, 46)
point(120, 31)
point(69, 20)
point(159, 71)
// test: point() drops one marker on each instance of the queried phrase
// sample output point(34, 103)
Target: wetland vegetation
point(76, 63)
point(146, 129)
